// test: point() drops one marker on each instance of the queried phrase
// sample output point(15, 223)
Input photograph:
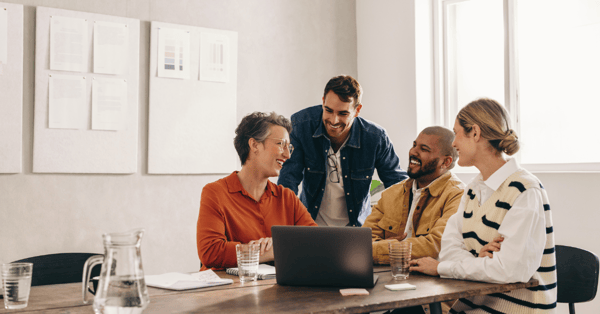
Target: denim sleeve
point(291, 174)
point(388, 163)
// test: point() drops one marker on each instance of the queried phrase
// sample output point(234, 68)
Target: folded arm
point(524, 233)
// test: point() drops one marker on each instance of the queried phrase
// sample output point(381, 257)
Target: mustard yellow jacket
point(388, 218)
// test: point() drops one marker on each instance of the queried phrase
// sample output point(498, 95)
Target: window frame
point(511, 81)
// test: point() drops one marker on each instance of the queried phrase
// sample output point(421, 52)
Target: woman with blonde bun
point(502, 231)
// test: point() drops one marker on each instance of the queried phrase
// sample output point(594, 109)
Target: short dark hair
point(445, 139)
point(257, 126)
point(346, 87)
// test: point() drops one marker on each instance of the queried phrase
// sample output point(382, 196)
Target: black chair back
point(58, 268)
point(577, 272)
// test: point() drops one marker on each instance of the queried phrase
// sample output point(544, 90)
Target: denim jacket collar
point(353, 141)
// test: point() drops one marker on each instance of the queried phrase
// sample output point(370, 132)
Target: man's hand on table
point(425, 265)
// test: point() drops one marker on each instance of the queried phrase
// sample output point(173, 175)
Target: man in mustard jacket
point(417, 209)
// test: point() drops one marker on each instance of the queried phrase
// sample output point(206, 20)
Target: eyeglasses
point(334, 174)
point(283, 143)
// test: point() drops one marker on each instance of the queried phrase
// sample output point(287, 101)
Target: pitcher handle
point(87, 271)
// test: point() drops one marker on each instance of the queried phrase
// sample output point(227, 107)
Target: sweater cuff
point(444, 269)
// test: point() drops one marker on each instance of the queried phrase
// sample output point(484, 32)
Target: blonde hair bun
point(510, 144)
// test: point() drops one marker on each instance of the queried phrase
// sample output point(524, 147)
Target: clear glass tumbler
point(247, 260)
point(16, 282)
point(400, 253)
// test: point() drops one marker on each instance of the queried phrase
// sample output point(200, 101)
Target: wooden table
point(265, 296)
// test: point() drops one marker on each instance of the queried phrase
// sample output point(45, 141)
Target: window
point(539, 58)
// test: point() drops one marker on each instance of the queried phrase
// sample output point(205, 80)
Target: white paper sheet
point(110, 48)
point(66, 102)
point(3, 38)
point(214, 57)
point(173, 53)
point(109, 103)
point(180, 281)
point(68, 42)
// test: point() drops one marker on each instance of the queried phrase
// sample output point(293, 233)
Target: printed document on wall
point(3, 38)
point(109, 103)
point(110, 48)
point(214, 57)
point(173, 53)
point(68, 42)
point(66, 102)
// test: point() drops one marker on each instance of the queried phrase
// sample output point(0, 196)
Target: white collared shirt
point(523, 229)
point(410, 232)
point(333, 210)
point(415, 200)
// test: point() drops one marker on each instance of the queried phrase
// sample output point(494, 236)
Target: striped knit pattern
point(480, 226)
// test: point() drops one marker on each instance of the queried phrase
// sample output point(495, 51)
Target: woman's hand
point(488, 249)
point(425, 265)
point(266, 249)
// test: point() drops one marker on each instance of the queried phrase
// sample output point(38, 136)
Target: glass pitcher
point(121, 288)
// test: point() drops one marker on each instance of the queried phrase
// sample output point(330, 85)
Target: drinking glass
point(400, 258)
point(16, 282)
point(247, 260)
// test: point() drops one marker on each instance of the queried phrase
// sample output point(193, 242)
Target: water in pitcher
point(122, 297)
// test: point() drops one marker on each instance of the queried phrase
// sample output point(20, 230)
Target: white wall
point(287, 52)
point(394, 67)
point(393, 39)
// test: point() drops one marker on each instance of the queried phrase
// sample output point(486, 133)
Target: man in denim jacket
point(335, 155)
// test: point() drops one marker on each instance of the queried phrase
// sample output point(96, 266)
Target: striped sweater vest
point(480, 226)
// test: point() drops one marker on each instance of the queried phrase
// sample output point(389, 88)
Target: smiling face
point(425, 159)
point(338, 116)
point(271, 154)
point(464, 144)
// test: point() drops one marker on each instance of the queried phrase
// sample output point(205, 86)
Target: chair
point(577, 275)
point(58, 268)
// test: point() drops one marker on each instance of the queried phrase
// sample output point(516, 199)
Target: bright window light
point(475, 53)
point(559, 78)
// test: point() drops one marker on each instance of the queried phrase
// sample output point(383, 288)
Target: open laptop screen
point(323, 256)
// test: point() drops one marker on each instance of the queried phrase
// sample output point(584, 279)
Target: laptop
point(323, 256)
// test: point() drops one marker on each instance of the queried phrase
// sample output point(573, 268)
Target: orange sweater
point(229, 215)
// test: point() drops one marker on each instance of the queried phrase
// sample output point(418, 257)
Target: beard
point(424, 170)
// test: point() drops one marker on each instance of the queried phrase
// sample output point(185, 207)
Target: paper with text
point(173, 53)
point(66, 102)
point(111, 42)
point(68, 42)
point(180, 281)
point(214, 57)
point(109, 103)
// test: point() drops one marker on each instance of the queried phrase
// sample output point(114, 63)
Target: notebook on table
point(264, 271)
point(323, 256)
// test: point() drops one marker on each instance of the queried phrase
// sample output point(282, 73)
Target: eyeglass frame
point(332, 160)
point(290, 147)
